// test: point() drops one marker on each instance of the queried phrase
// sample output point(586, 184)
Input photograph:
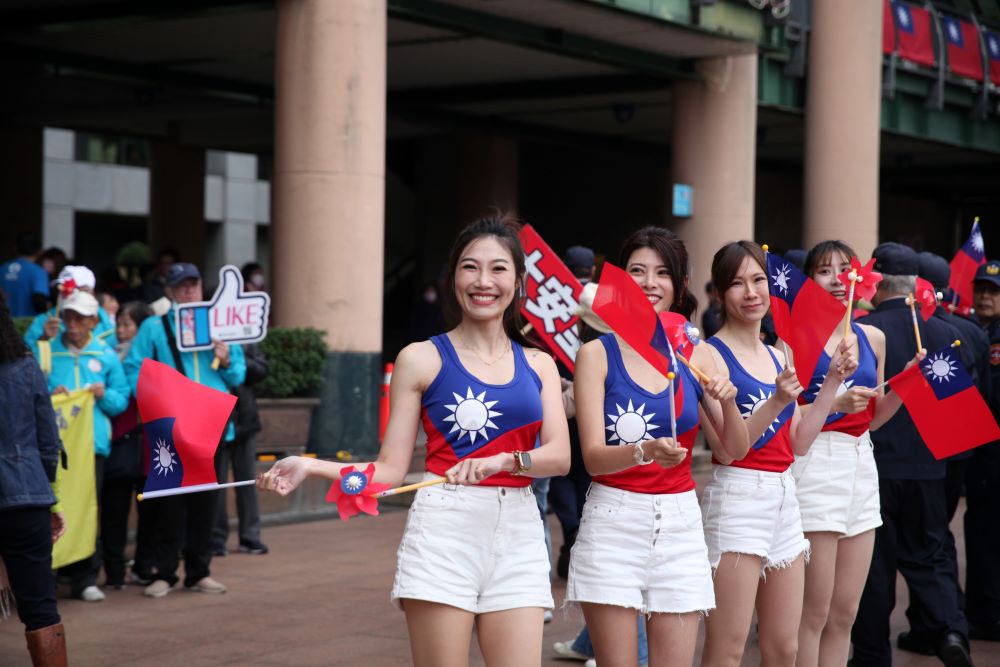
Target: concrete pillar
point(843, 104)
point(20, 185)
point(177, 202)
point(714, 150)
point(329, 186)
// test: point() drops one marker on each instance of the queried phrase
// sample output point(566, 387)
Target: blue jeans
point(582, 643)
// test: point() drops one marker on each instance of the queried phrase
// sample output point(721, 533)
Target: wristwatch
point(522, 463)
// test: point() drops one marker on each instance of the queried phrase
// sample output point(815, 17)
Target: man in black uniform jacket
point(982, 482)
point(913, 535)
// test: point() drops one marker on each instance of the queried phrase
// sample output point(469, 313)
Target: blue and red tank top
point(773, 450)
point(866, 375)
point(633, 414)
point(464, 416)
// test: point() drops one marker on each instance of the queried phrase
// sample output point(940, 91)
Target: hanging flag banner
point(962, 38)
point(913, 32)
point(552, 293)
point(76, 484)
point(231, 315)
point(964, 265)
point(992, 40)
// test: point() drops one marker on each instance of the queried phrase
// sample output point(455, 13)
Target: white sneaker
point(92, 594)
point(591, 662)
point(547, 616)
point(208, 585)
point(565, 650)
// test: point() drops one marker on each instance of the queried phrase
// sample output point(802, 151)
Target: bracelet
point(639, 455)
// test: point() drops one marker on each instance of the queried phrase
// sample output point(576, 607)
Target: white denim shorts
point(641, 551)
point(837, 485)
point(753, 512)
point(478, 548)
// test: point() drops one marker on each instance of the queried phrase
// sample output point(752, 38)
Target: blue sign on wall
point(683, 200)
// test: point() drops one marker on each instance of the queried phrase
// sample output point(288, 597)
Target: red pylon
point(383, 404)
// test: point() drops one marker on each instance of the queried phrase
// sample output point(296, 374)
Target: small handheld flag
point(946, 408)
point(621, 303)
point(804, 313)
point(964, 265)
point(355, 491)
point(183, 422)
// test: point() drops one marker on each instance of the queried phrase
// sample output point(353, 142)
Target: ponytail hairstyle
point(504, 227)
point(674, 256)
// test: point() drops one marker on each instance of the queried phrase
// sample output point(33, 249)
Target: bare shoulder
point(591, 353)
point(541, 361)
point(708, 359)
point(418, 363)
point(874, 334)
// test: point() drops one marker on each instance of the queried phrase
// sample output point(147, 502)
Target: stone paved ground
point(319, 598)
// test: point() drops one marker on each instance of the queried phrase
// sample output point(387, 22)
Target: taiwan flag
point(992, 40)
point(623, 306)
point(805, 314)
point(682, 334)
point(183, 422)
point(946, 408)
point(962, 38)
point(964, 265)
point(913, 30)
point(888, 29)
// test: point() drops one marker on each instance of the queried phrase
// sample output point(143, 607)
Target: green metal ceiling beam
point(906, 115)
point(539, 37)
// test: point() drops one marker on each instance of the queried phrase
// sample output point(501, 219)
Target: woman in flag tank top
point(473, 551)
point(752, 526)
point(640, 547)
point(836, 481)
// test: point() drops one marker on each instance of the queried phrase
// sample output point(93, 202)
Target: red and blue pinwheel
point(355, 492)
point(866, 278)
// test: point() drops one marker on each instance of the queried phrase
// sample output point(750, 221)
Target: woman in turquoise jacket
point(74, 361)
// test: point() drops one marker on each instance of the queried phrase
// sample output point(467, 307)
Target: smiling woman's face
point(485, 280)
point(746, 297)
point(647, 269)
point(827, 270)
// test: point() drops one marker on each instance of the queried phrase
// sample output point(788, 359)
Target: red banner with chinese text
point(551, 296)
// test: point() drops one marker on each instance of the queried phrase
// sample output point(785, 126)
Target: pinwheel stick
point(149, 495)
point(876, 388)
point(913, 314)
point(410, 487)
point(855, 278)
point(694, 369)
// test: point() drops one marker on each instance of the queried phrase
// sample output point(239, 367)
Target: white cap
point(81, 275)
point(81, 302)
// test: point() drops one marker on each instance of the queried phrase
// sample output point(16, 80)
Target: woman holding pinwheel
point(836, 481)
point(473, 551)
point(753, 529)
point(641, 547)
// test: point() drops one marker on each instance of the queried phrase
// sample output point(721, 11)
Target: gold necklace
point(503, 352)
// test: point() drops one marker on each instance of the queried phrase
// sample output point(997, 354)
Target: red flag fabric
point(964, 265)
point(913, 30)
point(992, 40)
point(804, 314)
point(950, 414)
point(183, 422)
point(888, 29)
point(962, 39)
point(623, 306)
point(926, 298)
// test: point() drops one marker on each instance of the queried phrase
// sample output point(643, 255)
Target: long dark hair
point(822, 251)
point(727, 262)
point(12, 346)
point(504, 227)
point(674, 256)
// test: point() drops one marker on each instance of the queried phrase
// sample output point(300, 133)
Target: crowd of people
point(81, 339)
point(818, 494)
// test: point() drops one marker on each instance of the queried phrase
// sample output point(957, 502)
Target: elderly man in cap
point(982, 482)
point(913, 535)
point(74, 361)
point(48, 324)
point(187, 519)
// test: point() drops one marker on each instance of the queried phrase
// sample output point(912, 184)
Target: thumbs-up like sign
point(232, 315)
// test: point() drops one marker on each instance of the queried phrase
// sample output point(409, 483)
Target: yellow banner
point(76, 486)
